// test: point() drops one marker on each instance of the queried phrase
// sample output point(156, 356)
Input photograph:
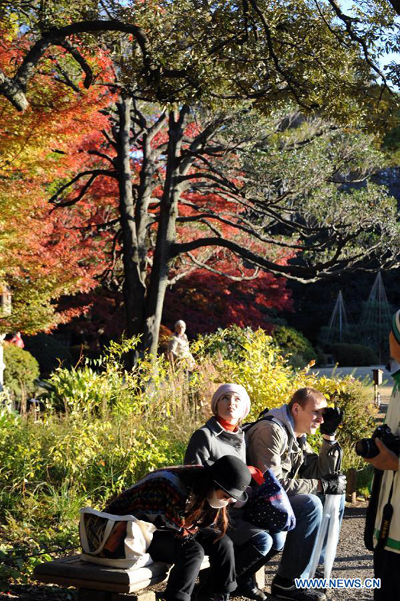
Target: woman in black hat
point(183, 503)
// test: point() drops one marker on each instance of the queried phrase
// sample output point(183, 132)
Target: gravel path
point(352, 561)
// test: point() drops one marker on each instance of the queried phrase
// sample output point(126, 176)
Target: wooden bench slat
point(72, 571)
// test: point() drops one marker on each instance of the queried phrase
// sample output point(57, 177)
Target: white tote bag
point(119, 541)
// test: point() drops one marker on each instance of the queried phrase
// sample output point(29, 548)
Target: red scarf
point(226, 425)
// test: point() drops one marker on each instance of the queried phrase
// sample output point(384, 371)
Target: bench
point(100, 583)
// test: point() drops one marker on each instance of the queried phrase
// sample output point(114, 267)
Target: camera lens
point(367, 448)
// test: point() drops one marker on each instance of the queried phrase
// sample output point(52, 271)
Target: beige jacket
point(272, 444)
point(179, 347)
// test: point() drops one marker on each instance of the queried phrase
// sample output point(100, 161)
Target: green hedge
point(21, 371)
point(228, 343)
point(348, 355)
point(294, 344)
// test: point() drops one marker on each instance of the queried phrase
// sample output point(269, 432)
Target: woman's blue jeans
point(265, 541)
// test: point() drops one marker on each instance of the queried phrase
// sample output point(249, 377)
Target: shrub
point(104, 386)
point(293, 343)
point(229, 343)
point(353, 355)
point(119, 425)
point(48, 352)
point(21, 371)
point(261, 369)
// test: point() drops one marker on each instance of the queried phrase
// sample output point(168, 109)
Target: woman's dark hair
point(199, 511)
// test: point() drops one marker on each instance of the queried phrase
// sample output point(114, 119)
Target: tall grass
point(103, 428)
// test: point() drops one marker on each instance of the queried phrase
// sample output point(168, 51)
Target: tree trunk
point(134, 288)
point(166, 233)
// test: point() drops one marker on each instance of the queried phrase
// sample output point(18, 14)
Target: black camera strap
point(371, 510)
point(387, 515)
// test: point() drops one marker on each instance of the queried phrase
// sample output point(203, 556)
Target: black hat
point(232, 475)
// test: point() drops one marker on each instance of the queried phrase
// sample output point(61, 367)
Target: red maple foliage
point(43, 253)
point(207, 301)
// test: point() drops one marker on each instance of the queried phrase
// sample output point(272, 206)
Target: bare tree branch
point(102, 155)
point(93, 175)
point(302, 273)
point(243, 278)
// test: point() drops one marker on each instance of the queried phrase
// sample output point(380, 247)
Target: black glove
point(332, 418)
point(333, 484)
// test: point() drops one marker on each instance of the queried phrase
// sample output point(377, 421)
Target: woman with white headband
point(220, 436)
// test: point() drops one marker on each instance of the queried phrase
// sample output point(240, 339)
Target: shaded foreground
point(352, 561)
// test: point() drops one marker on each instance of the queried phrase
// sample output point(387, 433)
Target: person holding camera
point(382, 533)
point(278, 441)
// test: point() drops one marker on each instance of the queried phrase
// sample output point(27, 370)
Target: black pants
point(387, 568)
point(187, 555)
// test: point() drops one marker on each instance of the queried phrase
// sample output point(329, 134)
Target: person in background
point(178, 352)
point(222, 436)
point(188, 506)
point(278, 441)
point(387, 554)
point(17, 340)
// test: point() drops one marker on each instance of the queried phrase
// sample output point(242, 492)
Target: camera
point(366, 447)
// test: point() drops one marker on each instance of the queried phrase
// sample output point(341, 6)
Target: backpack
point(271, 418)
point(265, 417)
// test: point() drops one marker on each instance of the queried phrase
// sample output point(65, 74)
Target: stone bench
point(100, 583)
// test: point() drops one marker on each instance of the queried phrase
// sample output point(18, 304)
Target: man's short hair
point(303, 395)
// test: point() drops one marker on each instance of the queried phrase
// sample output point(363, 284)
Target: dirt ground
point(352, 561)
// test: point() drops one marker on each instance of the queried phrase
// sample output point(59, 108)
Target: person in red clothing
point(17, 340)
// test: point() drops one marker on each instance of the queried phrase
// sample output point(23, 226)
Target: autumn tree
point(260, 189)
point(42, 254)
point(209, 301)
point(213, 56)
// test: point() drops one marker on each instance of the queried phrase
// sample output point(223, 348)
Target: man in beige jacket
point(278, 441)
